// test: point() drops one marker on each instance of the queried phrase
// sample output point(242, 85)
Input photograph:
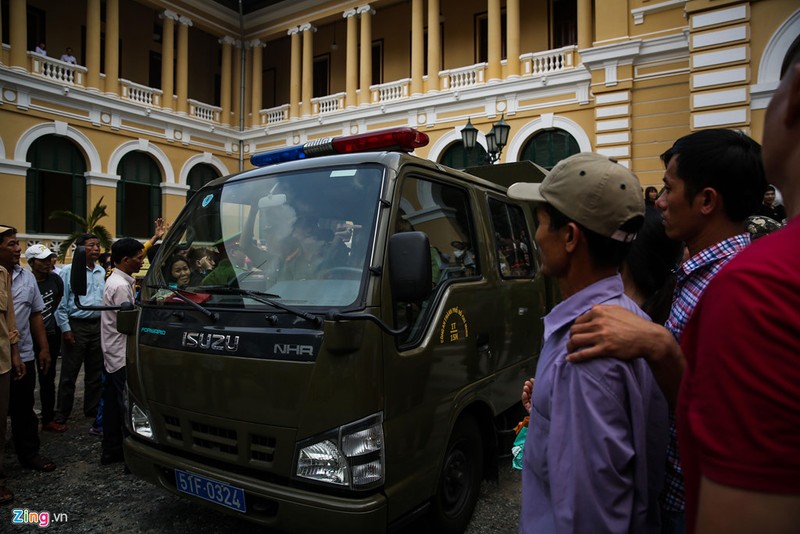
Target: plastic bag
point(516, 449)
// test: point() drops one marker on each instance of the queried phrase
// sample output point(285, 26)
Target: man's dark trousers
point(113, 414)
point(86, 351)
point(24, 423)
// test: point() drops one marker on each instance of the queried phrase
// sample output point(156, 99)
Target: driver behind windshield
point(229, 267)
point(311, 251)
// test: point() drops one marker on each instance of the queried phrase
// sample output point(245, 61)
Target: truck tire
point(460, 479)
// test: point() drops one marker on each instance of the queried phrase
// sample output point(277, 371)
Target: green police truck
point(352, 359)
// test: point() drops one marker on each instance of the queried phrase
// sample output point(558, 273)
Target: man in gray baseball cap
point(595, 452)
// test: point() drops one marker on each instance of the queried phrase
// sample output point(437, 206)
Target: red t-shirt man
point(739, 405)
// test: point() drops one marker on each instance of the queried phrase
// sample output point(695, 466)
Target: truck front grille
point(262, 448)
point(215, 438)
point(222, 442)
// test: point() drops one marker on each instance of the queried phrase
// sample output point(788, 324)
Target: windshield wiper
point(265, 298)
point(179, 293)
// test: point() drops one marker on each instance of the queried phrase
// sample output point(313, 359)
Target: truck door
point(521, 292)
point(447, 347)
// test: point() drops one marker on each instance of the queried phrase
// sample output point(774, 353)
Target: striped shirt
point(692, 278)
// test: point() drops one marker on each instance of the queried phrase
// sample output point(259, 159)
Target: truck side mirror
point(77, 281)
point(77, 277)
point(410, 274)
point(127, 319)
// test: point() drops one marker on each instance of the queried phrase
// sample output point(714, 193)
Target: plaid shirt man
point(693, 277)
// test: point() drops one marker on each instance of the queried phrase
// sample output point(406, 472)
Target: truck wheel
point(460, 479)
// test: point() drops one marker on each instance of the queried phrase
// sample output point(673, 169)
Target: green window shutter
point(548, 147)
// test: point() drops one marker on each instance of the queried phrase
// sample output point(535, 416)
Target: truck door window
point(512, 244)
point(443, 213)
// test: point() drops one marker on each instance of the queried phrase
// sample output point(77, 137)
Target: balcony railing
point(462, 77)
point(543, 63)
point(140, 94)
point(274, 115)
point(535, 64)
point(386, 92)
point(57, 70)
point(327, 104)
point(206, 112)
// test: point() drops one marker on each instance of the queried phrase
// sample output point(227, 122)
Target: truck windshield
point(301, 238)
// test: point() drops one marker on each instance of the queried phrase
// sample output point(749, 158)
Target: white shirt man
point(67, 57)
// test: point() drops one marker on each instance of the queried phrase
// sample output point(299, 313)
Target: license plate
point(211, 490)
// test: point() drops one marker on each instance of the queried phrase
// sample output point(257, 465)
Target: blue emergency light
point(402, 139)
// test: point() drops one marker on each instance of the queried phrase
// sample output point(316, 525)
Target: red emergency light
point(400, 139)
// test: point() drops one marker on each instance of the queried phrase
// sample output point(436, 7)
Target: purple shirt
point(595, 451)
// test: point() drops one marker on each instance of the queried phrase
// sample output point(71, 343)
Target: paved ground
point(82, 496)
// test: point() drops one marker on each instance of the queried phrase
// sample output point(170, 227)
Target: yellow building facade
point(163, 96)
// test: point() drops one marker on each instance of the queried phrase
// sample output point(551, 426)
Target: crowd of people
point(687, 419)
point(40, 321)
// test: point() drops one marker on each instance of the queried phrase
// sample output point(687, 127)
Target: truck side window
point(443, 213)
point(512, 244)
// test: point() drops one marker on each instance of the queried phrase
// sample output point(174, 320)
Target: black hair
point(727, 161)
point(604, 251)
point(770, 188)
point(196, 254)
point(83, 238)
point(651, 263)
point(127, 247)
point(172, 261)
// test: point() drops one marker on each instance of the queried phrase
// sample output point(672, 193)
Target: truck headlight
point(350, 456)
point(140, 422)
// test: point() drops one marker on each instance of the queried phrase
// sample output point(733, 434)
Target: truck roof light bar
point(400, 139)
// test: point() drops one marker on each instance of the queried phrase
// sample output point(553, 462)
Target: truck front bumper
point(272, 505)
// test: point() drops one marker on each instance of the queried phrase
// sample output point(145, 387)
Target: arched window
point(199, 175)
point(548, 147)
point(138, 195)
point(55, 181)
point(458, 157)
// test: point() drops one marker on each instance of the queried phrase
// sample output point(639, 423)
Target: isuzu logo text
point(210, 341)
